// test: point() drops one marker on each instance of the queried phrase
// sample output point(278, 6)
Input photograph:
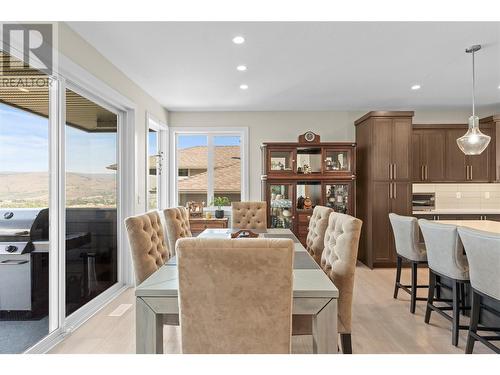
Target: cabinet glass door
point(281, 207)
point(338, 196)
point(338, 161)
point(281, 161)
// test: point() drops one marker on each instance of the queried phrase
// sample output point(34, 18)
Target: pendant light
point(473, 142)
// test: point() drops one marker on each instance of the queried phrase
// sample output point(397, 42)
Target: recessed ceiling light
point(241, 68)
point(244, 87)
point(499, 87)
point(238, 40)
point(415, 87)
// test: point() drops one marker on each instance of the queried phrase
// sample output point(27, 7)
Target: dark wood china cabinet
point(298, 176)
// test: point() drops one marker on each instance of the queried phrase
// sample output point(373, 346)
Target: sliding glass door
point(25, 247)
point(91, 200)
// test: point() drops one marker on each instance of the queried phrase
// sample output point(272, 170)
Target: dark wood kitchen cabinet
point(428, 155)
point(384, 181)
point(437, 158)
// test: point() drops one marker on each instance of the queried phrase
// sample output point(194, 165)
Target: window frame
point(162, 184)
point(210, 133)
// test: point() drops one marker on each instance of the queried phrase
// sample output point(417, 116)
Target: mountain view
point(31, 189)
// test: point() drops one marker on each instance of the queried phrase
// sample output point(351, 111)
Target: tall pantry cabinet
point(384, 181)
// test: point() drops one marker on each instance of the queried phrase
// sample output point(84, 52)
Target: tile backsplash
point(467, 196)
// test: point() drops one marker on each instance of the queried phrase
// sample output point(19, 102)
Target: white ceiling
point(303, 65)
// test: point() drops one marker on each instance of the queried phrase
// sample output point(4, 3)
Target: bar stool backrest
point(405, 229)
point(445, 252)
point(483, 254)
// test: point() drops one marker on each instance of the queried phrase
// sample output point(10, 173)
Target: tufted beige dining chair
point(315, 241)
point(249, 215)
point(176, 225)
point(235, 295)
point(147, 244)
point(338, 261)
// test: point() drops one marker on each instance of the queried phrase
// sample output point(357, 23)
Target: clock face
point(309, 136)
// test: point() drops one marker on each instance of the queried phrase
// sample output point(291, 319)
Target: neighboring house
point(193, 177)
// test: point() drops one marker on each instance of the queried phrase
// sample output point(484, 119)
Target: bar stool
point(446, 258)
point(483, 254)
point(408, 249)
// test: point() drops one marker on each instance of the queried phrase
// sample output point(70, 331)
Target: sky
point(24, 145)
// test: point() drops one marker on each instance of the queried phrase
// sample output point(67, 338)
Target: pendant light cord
point(473, 86)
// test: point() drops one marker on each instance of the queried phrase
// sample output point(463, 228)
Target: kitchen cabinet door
point(382, 239)
point(433, 154)
point(382, 141)
point(401, 148)
point(455, 158)
point(418, 162)
point(480, 165)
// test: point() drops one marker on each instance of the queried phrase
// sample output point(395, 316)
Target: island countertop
point(483, 225)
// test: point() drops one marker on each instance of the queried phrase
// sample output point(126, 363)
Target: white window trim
point(242, 132)
point(161, 127)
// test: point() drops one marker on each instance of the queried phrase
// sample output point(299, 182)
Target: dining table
point(314, 295)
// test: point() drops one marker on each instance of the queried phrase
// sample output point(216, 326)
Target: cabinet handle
point(390, 191)
point(394, 191)
point(470, 171)
point(394, 171)
point(426, 172)
point(390, 171)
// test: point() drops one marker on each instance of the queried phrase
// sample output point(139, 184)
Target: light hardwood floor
point(380, 324)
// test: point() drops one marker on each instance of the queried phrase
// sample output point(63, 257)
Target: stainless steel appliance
point(424, 201)
point(18, 274)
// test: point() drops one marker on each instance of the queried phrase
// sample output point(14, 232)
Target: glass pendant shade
point(473, 142)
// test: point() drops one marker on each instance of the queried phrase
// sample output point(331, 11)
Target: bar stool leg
point(456, 313)
point(413, 287)
point(463, 301)
point(474, 320)
point(430, 296)
point(398, 276)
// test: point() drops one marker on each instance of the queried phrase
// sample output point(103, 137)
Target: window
point(156, 182)
point(209, 164)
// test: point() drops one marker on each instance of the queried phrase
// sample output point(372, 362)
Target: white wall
point(272, 127)
point(71, 45)
point(333, 126)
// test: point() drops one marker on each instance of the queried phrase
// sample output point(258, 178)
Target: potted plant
point(220, 202)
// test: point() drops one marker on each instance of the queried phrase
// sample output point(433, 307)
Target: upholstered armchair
point(147, 243)
point(177, 225)
point(249, 215)
point(339, 263)
point(315, 241)
point(224, 305)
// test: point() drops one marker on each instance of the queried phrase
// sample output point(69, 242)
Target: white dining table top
point(483, 225)
point(309, 280)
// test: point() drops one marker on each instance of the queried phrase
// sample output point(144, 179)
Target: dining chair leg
point(456, 313)
point(474, 320)
point(346, 343)
point(398, 276)
point(463, 301)
point(438, 287)
point(430, 296)
point(413, 302)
